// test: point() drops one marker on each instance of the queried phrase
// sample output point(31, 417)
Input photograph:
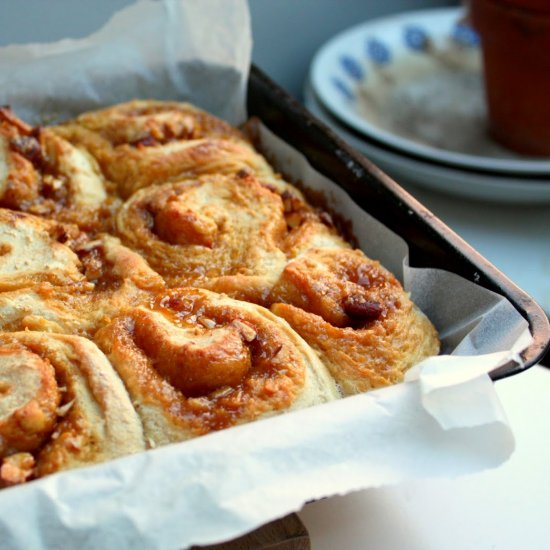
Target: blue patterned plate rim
point(346, 59)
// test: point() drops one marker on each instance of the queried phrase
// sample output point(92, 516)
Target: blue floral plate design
point(413, 82)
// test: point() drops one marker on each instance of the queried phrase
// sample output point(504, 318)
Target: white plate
point(454, 181)
point(413, 81)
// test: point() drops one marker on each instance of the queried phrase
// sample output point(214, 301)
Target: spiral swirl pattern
point(196, 361)
point(61, 406)
point(221, 232)
point(356, 315)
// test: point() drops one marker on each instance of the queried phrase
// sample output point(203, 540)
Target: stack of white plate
point(407, 92)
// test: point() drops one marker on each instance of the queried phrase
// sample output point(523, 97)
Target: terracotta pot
point(515, 40)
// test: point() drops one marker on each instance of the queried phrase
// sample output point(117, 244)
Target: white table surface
point(501, 509)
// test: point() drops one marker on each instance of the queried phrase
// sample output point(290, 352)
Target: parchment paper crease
point(445, 420)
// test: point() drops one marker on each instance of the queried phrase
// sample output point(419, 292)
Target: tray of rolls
point(160, 281)
point(204, 325)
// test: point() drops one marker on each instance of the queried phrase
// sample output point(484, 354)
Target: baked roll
point(142, 143)
point(62, 406)
point(196, 361)
point(43, 174)
point(356, 315)
point(33, 250)
point(219, 232)
point(72, 286)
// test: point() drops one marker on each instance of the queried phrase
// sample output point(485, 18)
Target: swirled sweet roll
point(71, 287)
point(62, 406)
point(43, 174)
point(32, 250)
point(356, 315)
point(220, 232)
point(142, 143)
point(197, 361)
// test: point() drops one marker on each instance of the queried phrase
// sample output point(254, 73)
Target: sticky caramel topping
point(209, 361)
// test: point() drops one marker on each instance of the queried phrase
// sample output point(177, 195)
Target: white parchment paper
point(445, 420)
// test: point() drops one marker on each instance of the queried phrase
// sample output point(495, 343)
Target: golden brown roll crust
point(107, 277)
point(356, 315)
point(221, 232)
point(43, 174)
point(197, 361)
point(144, 143)
point(61, 406)
point(31, 252)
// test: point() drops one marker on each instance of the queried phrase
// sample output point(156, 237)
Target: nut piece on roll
point(45, 175)
point(62, 406)
point(141, 143)
point(356, 315)
point(196, 361)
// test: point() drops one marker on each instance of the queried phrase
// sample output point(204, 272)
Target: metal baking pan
point(431, 242)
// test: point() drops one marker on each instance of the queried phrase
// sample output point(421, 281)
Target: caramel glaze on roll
point(196, 361)
point(356, 315)
point(61, 406)
point(142, 143)
point(221, 232)
point(43, 174)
